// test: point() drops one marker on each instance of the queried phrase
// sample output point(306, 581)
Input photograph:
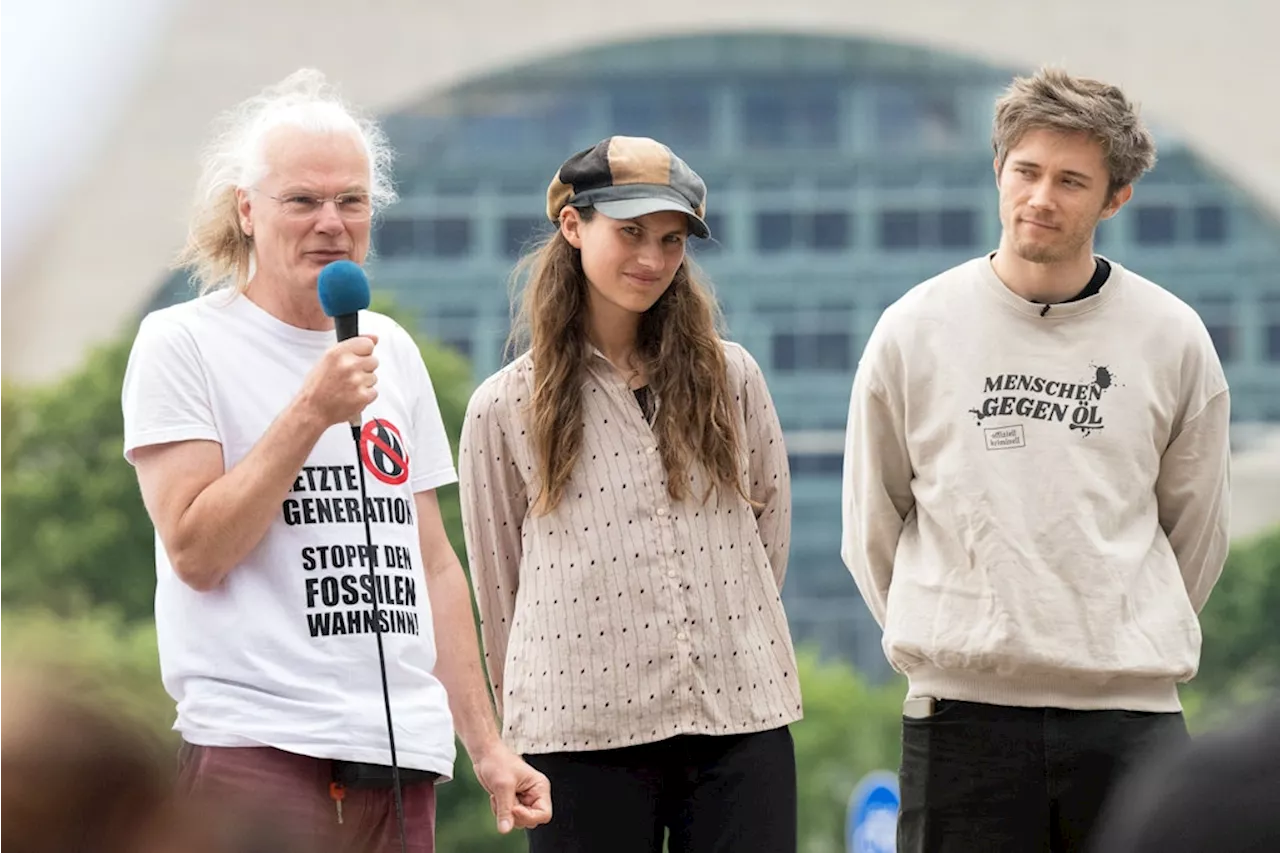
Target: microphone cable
point(377, 631)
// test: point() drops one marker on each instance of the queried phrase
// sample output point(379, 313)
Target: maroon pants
point(286, 797)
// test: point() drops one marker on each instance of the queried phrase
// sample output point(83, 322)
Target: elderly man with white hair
point(236, 408)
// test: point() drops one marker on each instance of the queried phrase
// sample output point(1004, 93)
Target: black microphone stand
point(377, 631)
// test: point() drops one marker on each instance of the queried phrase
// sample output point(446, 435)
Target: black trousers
point(989, 779)
point(715, 793)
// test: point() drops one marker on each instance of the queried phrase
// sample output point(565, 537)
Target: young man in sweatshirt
point(1036, 494)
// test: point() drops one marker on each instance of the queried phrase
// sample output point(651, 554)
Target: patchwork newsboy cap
point(624, 177)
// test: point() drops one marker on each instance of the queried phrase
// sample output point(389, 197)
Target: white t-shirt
point(283, 653)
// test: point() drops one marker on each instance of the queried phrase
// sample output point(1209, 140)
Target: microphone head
point(344, 289)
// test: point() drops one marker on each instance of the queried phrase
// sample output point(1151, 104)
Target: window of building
point(1273, 341)
point(396, 238)
point(1223, 336)
point(520, 232)
point(565, 120)
point(462, 345)
point(1156, 225)
point(679, 117)
point(831, 231)
point(719, 237)
point(774, 231)
point(810, 338)
point(1271, 314)
point(453, 186)
point(784, 231)
point(957, 229)
point(899, 229)
point(453, 324)
point(521, 183)
point(458, 313)
point(496, 122)
point(822, 351)
point(1210, 224)
point(801, 114)
point(495, 132)
point(816, 113)
point(786, 346)
point(442, 237)
point(1218, 314)
point(817, 464)
point(917, 118)
point(451, 237)
point(764, 116)
point(832, 351)
point(951, 228)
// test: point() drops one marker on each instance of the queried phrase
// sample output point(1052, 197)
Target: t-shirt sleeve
point(165, 397)
point(431, 465)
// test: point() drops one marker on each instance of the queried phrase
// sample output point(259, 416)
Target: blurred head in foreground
point(81, 776)
point(1221, 794)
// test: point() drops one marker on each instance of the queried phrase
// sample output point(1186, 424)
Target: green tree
point(76, 532)
point(10, 411)
point(1240, 653)
point(850, 728)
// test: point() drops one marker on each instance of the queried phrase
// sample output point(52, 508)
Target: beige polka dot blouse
point(621, 617)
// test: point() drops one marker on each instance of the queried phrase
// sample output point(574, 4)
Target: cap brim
point(632, 208)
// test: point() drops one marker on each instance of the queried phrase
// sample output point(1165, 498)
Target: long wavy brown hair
point(679, 346)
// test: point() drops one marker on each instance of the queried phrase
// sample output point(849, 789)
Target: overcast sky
point(67, 67)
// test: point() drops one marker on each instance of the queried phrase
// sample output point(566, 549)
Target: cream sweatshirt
point(1035, 502)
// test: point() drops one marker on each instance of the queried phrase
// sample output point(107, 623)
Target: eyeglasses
point(350, 206)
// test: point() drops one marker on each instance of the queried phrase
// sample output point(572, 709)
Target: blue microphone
point(344, 293)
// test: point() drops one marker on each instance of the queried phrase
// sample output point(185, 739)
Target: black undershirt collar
point(1101, 272)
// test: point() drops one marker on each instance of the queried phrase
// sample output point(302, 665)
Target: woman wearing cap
point(626, 500)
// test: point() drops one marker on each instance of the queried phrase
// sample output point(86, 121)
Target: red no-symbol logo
point(383, 453)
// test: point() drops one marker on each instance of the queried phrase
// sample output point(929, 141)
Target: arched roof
point(1207, 77)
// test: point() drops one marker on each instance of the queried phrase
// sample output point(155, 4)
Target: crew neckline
point(243, 307)
point(1050, 310)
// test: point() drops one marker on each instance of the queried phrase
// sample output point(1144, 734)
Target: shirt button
point(681, 636)
point(662, 510)
point(651, 450)
point(671, 573)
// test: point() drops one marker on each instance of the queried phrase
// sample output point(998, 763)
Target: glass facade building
point(841, 173)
